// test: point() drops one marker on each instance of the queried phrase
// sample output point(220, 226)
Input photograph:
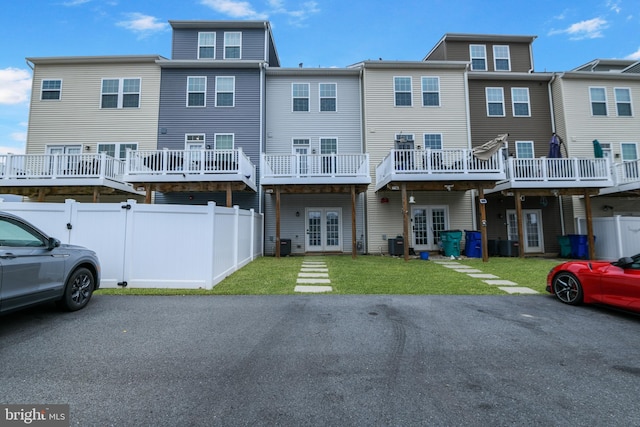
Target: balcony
point(427, 165)
point(626, 177)
point(552, 173)
point(190, 166)
point(62, 172)
point(315, 169)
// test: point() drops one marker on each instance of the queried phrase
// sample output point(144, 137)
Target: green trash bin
point(565, 246)
point(451, 242)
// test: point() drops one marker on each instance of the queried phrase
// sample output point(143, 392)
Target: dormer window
point(501, 58)
point(232, 45)
point(478, 54)
point(206, 45)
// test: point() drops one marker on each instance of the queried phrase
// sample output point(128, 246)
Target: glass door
point(531, 227)
point(427, 224)
point(324, 230)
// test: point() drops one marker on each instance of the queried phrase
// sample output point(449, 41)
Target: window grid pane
point(224, 142)
point(430, 91)
point(501, 55)
point(196, 88)
point(225, 90)
point(206, 45)
point(433, 141)
point(478, 57)
point(623, 102)
point(300, 93)
point(520, 97)
point(524, 150)
point(328, 97)
point(402, 88)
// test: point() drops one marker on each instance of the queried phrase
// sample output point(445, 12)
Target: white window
point(300, 96)
point(117, 150)
point(225, 91)
point(431, 91)
point(598, 97)
point(206, 45)
point(501, 58)
point(433, 141)
point(402, 91)
point(328, 97)
point(233, 45)
point(495, 101)
point(51, 90)
point(404, 141)
point(120, 93)
point(524, 149)
point(623, 101)
point(520, 100)
point(478, 54)
point(629, 151)
point(194, 141)
point(196, 91)
point(224, 141)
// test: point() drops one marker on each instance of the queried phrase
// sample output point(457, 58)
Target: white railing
point(57, 166)
point(187, 162)
point(460, 162)
point(626, 172)
point(572, 169)
point(315, 165)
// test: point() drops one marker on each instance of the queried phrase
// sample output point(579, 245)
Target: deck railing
point(626, 172)
point(57, 166)
point(315, 165)
point(547, 169)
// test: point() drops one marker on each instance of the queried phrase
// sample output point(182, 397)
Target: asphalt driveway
point(326, 361)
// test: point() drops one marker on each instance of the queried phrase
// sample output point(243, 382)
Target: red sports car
point(600, 282)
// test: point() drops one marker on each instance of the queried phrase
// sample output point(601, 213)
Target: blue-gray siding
point(185, 44)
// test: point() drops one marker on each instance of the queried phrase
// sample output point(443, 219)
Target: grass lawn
point(372, 274)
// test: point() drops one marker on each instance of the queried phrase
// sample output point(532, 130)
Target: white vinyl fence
point(153, 246)
point(616, 236)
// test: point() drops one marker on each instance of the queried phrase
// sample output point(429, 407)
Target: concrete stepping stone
point(500, 282)
point(468, 270)
point(313, 281)
point(317, 270)
point(518, 290)
point(313, 275)
point(313, 289)
point(483, 276)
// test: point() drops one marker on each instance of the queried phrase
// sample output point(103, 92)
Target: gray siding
point(185, 43)
point(459, 51)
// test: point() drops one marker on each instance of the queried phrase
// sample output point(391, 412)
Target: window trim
point(633, 144)
point(422, 82)
point(630, 102)
point(321, 97)
point(605, 102)
point(117, 147)
point(514, 102)
point(502, 102)
point(215, 140)
point(233, 92)
point(529, 144)
point(239, 46)
point(121, 93)
point(294, 97)
point(203, 45)
point(196, 134)
point(204, 92)
point(424, 140)
point(43, 90)
point(484, 57)
point(396, 91)
point(496, 57)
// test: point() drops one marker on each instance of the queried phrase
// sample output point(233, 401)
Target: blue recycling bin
point(579, 245)
point(473, 244)
point(451, 242)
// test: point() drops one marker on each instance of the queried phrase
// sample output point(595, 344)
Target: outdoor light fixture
point(412, 200)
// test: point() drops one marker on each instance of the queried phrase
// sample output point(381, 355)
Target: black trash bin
point(396, 246)
point(285, 247)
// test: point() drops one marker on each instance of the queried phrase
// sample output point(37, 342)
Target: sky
point(317, 33)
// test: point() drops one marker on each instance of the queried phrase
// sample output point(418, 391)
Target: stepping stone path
point(313, 277)
point(490, 279)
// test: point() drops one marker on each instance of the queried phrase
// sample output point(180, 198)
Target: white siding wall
point(383, 121)
point(77, 117)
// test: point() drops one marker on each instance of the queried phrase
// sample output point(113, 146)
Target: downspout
point(474, 220)
point(365, 225)
point(553, 129)
point(263, 72)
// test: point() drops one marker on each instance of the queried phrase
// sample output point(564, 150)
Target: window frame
point(48, 90)
point(233, 91)
point(424, 141)
point(483, 57)
point(217, 135)
point(397, 91)
point(423, 80)
point(592, 103)
point(519, 150)
point(211, 46)
point(204, 92)
point(201, 140)
point(514, 102)
point(228, 45)
point(117, 148)
point(120, 93)
point(490, 102)
point(622, 151)
point(618, 102)
point(497, 57)
point(295, 97)
point(324, 97)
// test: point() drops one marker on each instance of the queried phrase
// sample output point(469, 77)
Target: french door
point(531, 228)
point(427, 224)
point(324, 229)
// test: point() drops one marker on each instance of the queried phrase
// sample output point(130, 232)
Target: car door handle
point(8, 255)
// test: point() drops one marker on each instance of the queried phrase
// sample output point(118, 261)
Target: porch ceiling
point(439, 185)
point(197, 186)
point(551, 192)
point(77, 190)
point(316, 189)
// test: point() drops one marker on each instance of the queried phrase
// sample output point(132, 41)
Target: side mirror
point(53, 243)
point(624, 262)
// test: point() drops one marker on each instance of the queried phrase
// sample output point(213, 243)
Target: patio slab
point(518, 290)
point(483, 276)
point(313, 289)
point(313, 281)
point(468, 270)
point(500, 282)
point(313, 275)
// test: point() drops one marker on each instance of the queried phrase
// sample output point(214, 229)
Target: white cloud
point(235, 9)
point(142, 24)
point(75, 2)
point(589, 29)
point(15, 86)
point(635, 55)
point(614, 6)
